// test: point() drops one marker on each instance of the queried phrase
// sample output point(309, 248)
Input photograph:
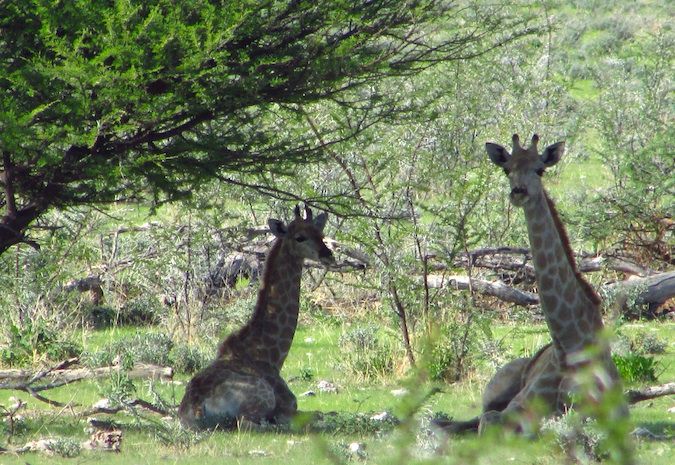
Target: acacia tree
point(110, 100)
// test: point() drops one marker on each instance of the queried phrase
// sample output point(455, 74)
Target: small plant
point(306, 374)
point(648, 343)
point(453, 353)
point(65, 447)
point(142, 310)
point(580, 440)
point(172, 434)
point(29, 341)
point(365, 353)
point(354, 423)
point(188, 360)
point(634, 367)
point(153, 348)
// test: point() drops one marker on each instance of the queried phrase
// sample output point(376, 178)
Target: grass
point(316, 351)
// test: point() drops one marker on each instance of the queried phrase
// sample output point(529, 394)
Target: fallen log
point(66, 376)
point(494, 288)
point(653, 290)
point(519, 260)
point(634, 396)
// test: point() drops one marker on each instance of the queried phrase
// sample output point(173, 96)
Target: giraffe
point(524, 389)
point(244, 382)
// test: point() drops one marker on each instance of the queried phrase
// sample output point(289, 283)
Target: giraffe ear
point(320, 221)
point(553, 153)
point(278, 228)
point(498, 154)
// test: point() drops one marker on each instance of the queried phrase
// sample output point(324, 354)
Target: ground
point(148, 439)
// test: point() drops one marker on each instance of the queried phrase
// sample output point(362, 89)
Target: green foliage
point(65, 447)
point(142, 347)
point(120, 99)
point(635, 368)
point(140, 311)
point(366, 353)
point(354, 423)
point(34, 340)
point(189, 360)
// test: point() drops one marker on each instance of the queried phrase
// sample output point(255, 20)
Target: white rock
point(309, 340)
point(308, 394)
point(103, 403)
point(326, 386)
point(384, 416)
point(399, 392)
point(357, 449)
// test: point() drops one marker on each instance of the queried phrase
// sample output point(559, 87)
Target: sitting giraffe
point(528, 387)
point(244, 382)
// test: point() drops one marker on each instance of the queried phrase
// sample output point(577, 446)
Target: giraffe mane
point(564, 239)
point(232, 342)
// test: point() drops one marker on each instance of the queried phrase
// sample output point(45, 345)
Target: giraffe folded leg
point(286, 403)
point(223, 402)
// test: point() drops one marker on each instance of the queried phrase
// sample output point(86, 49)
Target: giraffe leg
point(500, 390)
point(539, 397)
point(286, 403)
point(505, 385)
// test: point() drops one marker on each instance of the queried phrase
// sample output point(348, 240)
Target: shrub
point(365, 353)
point(453, 353)
point(188, 360)
point(636, 367)
point(151, 348)
point(648, 343)
point(33, 339)
point(142, 310)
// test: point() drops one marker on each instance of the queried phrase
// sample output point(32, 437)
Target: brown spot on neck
point(234, 343)
point(564, 240)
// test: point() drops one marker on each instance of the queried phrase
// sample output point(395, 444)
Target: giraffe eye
point(507, 171)
point(300, 238)
point(540, 171)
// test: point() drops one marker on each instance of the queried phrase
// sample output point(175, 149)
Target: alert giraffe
point(244, 382)
point(570, 306)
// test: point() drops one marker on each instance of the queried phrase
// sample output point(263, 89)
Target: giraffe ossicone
point(530, 387)
point(244, 382)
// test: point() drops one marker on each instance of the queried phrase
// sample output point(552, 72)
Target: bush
point(453, 353)
point(29, 341)
point(634, 367)
point(153, 348)
point(142, 310)
point(188, 360)
point(365, 353)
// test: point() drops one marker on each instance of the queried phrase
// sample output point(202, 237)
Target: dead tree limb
point(519, 259)
point(494, 288)
point(59, 377)
point(634, 396)
point(109, 409)
point(654, 289)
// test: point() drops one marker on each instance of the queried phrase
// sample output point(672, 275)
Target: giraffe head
point(303, 237)
point(524, 167)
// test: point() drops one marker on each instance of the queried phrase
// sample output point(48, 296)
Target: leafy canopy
point(104, 100)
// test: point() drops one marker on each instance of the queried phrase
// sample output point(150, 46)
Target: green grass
point(316, 350)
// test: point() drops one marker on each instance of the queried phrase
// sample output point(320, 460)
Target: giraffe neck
point(268, 335)
point(569, 304)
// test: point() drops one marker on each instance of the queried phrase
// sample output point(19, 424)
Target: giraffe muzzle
point(518, 192)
